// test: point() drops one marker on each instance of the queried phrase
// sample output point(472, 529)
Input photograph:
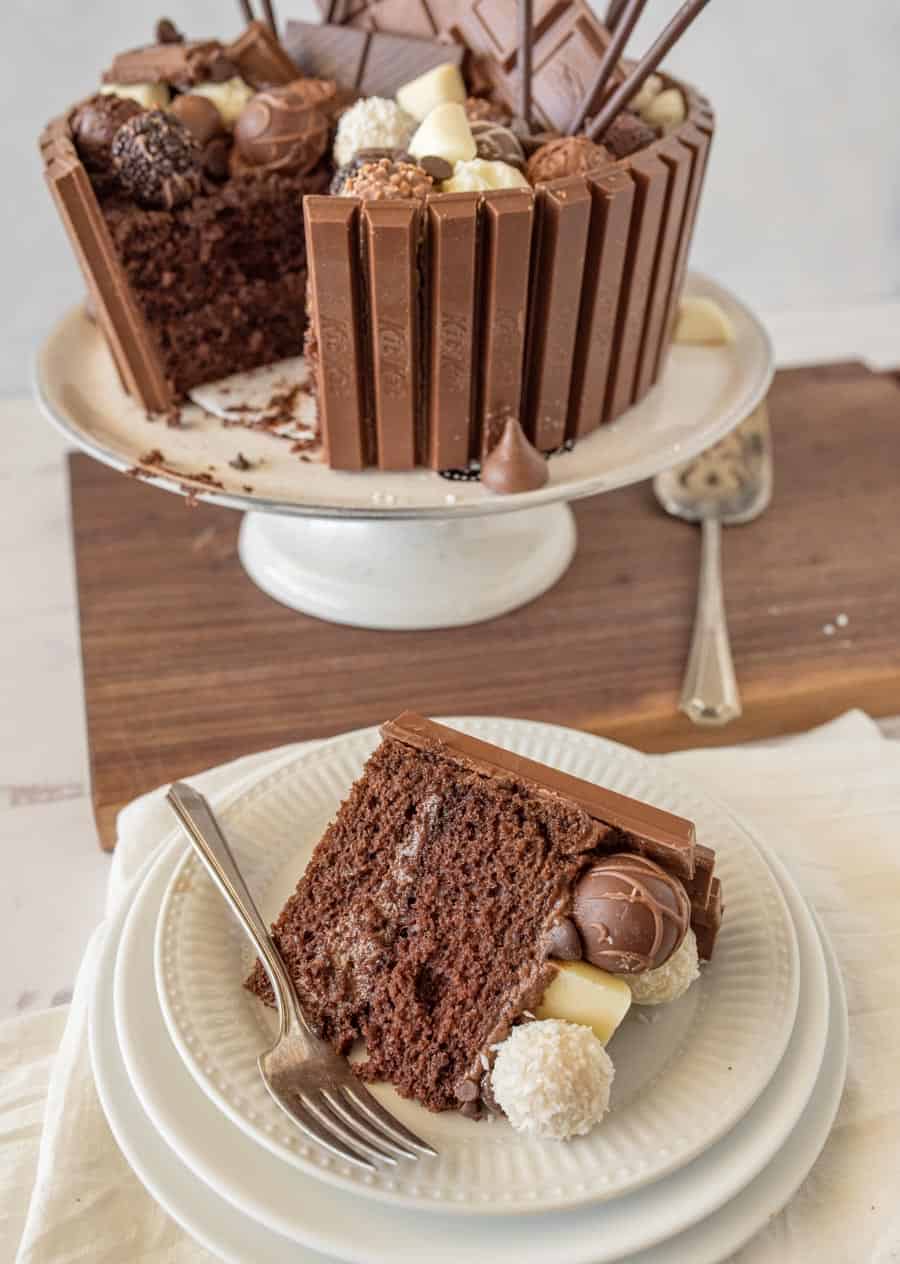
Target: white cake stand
point(410, 550)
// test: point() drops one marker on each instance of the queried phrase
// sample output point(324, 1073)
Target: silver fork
point(303, 1074)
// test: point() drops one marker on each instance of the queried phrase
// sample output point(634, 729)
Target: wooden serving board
point(187, 664)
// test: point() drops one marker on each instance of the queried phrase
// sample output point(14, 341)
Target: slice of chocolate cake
point(437, 908)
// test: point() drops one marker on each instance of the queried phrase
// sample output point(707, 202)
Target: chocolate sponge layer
point(420, 923)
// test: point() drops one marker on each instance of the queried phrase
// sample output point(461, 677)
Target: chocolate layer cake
point(438, 905)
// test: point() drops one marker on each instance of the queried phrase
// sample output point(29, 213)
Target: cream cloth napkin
point(829, 802)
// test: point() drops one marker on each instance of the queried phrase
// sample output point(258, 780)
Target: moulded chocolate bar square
point(565, 62)
point(260, 57)
point(327, 52)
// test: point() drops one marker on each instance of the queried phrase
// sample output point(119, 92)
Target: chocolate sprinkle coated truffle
point(157, 160)
point(568, 156)
point(95, 123)
point(279, 131)
point(387, 178)
point(628, 133)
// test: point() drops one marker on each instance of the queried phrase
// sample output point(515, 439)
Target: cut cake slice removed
point(423, 922)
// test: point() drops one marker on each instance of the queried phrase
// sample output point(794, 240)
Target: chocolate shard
point(133, 348)
point(650, 831)
point(678, 159)
point(507, 223)
point(612, 195)
point(183, 64)
point(651, 180)
point(372, 63)
point(564, 213)
point(391, 234)
point(451, 256)
point(333, 250)
point(260, 57)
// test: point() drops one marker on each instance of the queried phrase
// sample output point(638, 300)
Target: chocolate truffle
point(480, 108)
point(567, 156)
point(279, 131)
point(387, 178)
point(626, 134)
point(343, 174)
point(496, 143)
point(157, 160)
point(631, 915)
point(514, 465)
point(199, 116)
point(95, 123)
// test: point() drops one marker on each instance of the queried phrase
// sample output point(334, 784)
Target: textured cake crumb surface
point(420, 922)
point(552, 1079)
point(669, 981)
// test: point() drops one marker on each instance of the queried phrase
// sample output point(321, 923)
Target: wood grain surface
point(187, 664)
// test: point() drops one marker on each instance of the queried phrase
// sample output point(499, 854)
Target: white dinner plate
point(272, 1207)
point(685, 1073)
point(703, 394)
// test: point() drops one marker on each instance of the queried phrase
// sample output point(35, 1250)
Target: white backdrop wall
point(802, 208)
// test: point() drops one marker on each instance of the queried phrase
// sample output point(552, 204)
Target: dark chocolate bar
point(372, 63)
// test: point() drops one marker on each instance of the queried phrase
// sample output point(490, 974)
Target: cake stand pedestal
point(408, 574)
point(399, 550)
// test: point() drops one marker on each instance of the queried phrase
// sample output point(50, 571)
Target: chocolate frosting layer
point(631, 915)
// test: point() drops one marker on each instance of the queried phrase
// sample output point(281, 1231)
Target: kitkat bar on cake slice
point(563, 215)
point(707, 923)
point(507, 220)
point(668, 839)
point(450, 302)
point(651, 178)
point(133, 348)
point(372, 63)
point(391, 232)
point(612, 195)
point(333, 251)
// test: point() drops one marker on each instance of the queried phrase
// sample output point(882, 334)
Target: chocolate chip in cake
point(157, 160)
point(438, 168)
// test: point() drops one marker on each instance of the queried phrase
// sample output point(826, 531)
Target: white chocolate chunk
point(650, 88)
point(229, 97)
point(666, 110)
point(149, 96)
point(580, 993)
point(702, 322)
point(439, 86)
point(444, 133)
point(469, 177)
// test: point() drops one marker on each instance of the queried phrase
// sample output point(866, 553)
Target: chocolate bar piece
point(678, 159)
point(565, 62)
point(332, 246)
point(391, 234)
point(651, 178)
point(660, 835)
point(612, 196)
point(183, 64)
point(260, 58)
point(707, 923)
point(507, 221)
point(134, 350)
point(564, 214)
point(371, 63)
point(450, 324)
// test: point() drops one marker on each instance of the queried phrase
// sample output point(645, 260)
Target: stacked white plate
point(721, 1103)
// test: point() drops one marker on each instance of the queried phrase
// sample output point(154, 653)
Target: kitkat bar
point(133, 348)
point(612, 195)
point(452, 235)
point(260, 57)
point(507, 219)
point(678, 159)
point(660, 835)
point(391, 235)
point(706, 923)
point(651, 179)
point(333, 251)
point(699, 887)
point(563, 222)
point(164, 63)
point(373, 63)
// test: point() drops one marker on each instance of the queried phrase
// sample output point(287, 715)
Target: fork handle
point(209, 842)
point(710, 694)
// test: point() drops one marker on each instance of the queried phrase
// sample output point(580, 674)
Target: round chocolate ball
point(157, 160)
point(567, 156)
point(628, 133)
point(279, 131)
point(631, 915)
point(199, 116)
point(95, 122)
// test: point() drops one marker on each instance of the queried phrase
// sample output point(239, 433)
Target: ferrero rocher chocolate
point(568, 156)
point(279, 131)
point(631, 914)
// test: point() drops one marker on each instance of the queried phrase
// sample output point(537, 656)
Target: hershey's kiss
point(514, 464)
